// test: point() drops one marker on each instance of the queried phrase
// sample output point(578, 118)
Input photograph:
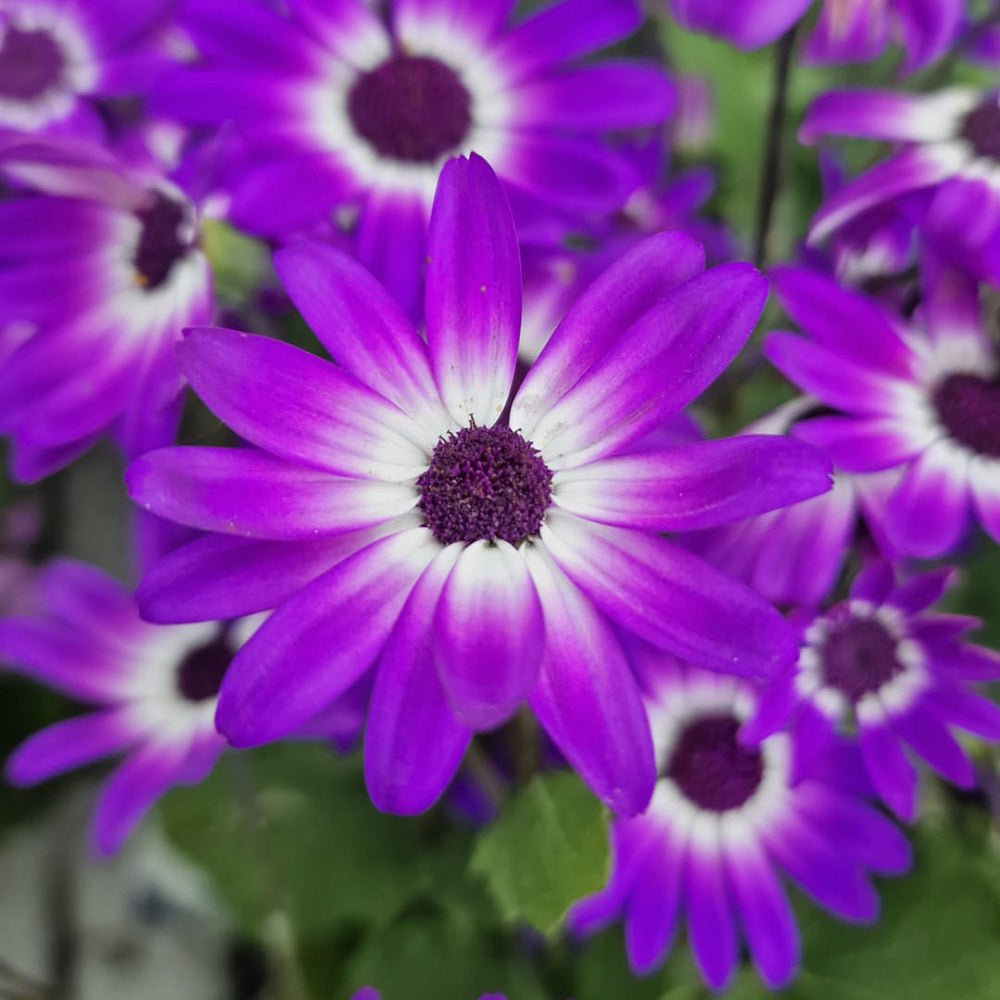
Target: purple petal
point(966, 710)
point(711, 927)
point(68, 745)
point(670, 598)
point(413, 743)
point(892, 774)
point(694, 486)
point(874, 582)
point(473, 300)
point(587, 698)
point(984, 480)
point(931, 741)
point(750, 24)
point(876, 114)
point(241, 491)
point(667, 358)
point(622, 294)
point(864, 444)
point(488, 634)
point(922, 591)
point(320, 641)
point(361, 326)
point(654, 900)
point(776, 701)
point(299, 407)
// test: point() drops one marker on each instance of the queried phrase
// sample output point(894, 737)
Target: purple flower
point(848, 30)
point(370, 993)
point(343, 110)
point(58, 56)
point(951, 157)
point(922, 397)
point(897, 676)
point(395, 515)
point(724, 822)
point(794, 555)
point(153, 689)
point(101, 269)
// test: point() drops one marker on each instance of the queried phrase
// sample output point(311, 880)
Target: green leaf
point(238, 261)
point(548, 849)
point(290, 827)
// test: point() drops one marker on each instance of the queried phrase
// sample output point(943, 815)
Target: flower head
point(101, 270)
point(343, 110)
point(920, 397)
point(880, 666)
point(396, 511)
point(724, 823)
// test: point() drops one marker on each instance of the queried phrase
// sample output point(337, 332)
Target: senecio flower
point(153, 688)
point(58, 56)
point(726, 818)
point(395, 512)
point(100, 269)
point(921, 397)
point(847, 31)
point(342, 109)
point(897, 676)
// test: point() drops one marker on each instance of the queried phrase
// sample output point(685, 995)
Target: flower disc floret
point(969, 408)
point(981, 129)
point(412, 108)
point(200, 673)
point(485, 483)
point(168, 233)
point(859, 657)
point(31, 64)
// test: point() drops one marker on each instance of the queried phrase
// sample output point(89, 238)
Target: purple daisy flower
point(847, 31)
point(487, 556)
point(794, 555)
point(153, 687)
point(922, 397)
point(58, 56)
point(724, 822)
point(101, 269)
point(896, 675)
point(951, 156)
point(343, 110)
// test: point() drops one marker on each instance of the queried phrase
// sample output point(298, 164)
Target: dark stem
point(773, 145)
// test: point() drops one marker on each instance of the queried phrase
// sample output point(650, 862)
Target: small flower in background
point(100, 269)
point(848, 30)
point(20, 525)
point(341, 109)
point(58, 57)
point(153, 687)
point(898, 677)
point(794, 555)
point(919, 396)
point(950, 158)
point(491, 556)
point(725, 821)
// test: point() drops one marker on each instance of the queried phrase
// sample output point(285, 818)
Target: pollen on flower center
point(969, 408)
point(485, 483)
point(167, 235)
point(31, 63)
point(710, 766)
point(200, 673)
point(858, 657)
point(411, 108)
point(981, 129)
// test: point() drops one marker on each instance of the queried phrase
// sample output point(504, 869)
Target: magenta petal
point(242, 491)
point(360, 324)
point(132, 790)
point(861, 444)
point(320, 641)
point(612, 304)
point(586, 696)
point(299, 407)
point(488, 634)
point(932, 742)
point(68, 745)
point(892, 774)
point(413, 742)
point(671, 598)
point(473, 299)
point(695, 486)
point(654, 900)
point(710, 921)
point(874, 114)
point(967, 710)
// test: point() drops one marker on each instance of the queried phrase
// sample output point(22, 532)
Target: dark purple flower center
point(411, 108)
point(981, 129)
point(858, 657)
point(485, 483)
point(200, 674)
point(31, 62)
point(969, 408)
point(167, 236)
point(710, 766)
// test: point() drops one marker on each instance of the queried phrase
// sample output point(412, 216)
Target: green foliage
point(239, 262)
point(548, 849)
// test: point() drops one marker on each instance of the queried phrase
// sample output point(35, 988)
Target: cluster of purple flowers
point(487, 493)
